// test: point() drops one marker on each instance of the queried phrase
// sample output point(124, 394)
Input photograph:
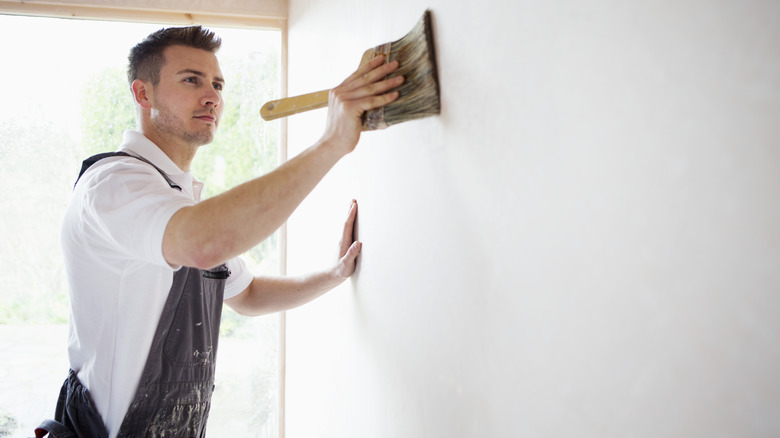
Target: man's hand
point(273, 294)
point(364, 90)
point(349, 248)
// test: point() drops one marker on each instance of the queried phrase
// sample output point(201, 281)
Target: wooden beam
point(109, 11)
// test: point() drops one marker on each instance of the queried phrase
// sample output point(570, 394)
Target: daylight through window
point(66, 97)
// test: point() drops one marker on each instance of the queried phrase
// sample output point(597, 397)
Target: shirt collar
point(136, 143)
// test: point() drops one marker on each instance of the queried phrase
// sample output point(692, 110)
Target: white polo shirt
point(118, 278)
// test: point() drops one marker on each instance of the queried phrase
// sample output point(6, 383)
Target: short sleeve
point(127, 206)
point(240, 277)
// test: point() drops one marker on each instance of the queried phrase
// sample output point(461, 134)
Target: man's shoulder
point(121, 166)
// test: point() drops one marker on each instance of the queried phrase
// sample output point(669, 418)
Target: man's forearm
point(229, 224)
point(275, 294)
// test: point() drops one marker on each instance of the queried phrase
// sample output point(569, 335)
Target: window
point(66, 97)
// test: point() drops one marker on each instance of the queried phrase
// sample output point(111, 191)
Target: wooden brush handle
point(305, 102)
point(294, 105)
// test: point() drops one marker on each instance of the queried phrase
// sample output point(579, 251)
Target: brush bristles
point(419, 94)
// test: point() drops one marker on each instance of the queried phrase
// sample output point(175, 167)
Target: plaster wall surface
point(584, 243)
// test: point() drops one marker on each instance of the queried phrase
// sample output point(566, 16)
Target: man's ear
point(143, 93)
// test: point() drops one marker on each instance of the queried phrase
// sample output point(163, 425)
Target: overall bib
point(174, 394)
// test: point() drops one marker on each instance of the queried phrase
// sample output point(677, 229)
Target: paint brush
point(418, 95)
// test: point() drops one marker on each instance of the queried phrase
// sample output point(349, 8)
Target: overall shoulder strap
point(55, 429)
point(95, 158)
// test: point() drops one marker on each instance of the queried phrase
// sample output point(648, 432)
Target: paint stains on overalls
point(174, 394)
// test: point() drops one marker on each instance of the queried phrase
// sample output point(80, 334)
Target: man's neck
point(179, 152)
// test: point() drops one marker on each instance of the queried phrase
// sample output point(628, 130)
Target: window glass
point(66, 97)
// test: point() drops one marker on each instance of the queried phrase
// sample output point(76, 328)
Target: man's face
point(188, 98)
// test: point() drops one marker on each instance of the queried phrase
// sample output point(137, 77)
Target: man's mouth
point(206, 118)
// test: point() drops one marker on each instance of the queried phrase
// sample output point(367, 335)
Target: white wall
point(586, 242)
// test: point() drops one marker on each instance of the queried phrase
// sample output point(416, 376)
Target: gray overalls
point(174, 394)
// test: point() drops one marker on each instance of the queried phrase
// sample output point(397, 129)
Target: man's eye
point(218, 86)
point(192, 80)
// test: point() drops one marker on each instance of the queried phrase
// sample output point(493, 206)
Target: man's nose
point(211, 98)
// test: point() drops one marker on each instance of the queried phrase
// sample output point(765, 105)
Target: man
point(149, 265)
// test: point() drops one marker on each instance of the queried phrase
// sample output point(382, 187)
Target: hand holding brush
point(418, 94)
point(365, 90)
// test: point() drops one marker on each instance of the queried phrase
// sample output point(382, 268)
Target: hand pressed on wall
point(349, 248)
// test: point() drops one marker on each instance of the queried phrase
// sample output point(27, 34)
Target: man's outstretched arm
point(222, 227)
point(274, 294)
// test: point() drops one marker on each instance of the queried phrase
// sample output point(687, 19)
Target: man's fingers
point(348, 263)
point(367, 88)
point(374, 88)
point(368, 74)
point(359, 103)
point(377, 74)
point(348, 236)
point(364, 70)
point(353, 250)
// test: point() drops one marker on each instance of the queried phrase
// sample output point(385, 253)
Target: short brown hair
point(146, 58)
